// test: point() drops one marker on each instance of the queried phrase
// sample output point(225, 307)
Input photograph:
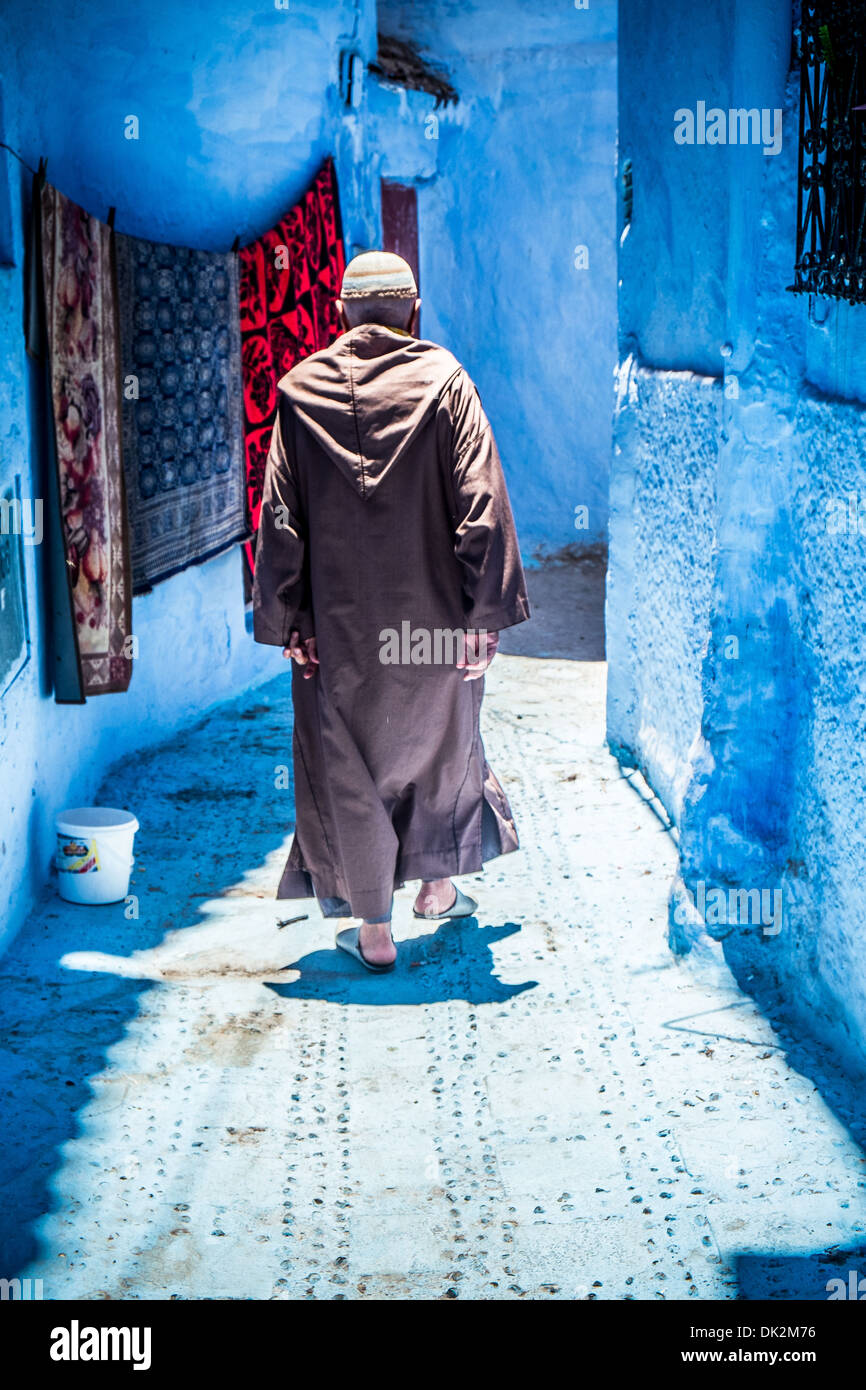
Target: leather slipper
point(349, 940)
point(462, 906)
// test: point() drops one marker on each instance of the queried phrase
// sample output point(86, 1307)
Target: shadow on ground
point(567, 602)
point(815, 1278)
point(451, 962)
point(809, 1275)
point(209, 811)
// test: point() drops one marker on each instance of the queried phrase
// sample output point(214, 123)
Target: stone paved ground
point(545, 1103)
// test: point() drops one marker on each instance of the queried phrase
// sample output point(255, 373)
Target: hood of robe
point(364, 398)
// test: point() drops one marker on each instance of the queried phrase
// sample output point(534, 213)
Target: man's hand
point(303, 652)
point(479, 649)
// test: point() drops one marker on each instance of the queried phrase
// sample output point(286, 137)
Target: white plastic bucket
point(94, 854)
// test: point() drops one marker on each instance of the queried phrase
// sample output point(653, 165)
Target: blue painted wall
point(735, 612)
point(524, 174)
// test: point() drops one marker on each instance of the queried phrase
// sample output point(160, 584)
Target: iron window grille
point(831, 182)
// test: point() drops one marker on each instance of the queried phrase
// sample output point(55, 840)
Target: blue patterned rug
point(182, 404)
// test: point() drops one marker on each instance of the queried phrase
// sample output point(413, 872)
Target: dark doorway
point(400, 224)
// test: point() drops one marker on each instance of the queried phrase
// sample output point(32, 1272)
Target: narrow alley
point(542, 1102)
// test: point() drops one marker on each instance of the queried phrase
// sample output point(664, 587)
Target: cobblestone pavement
point(543, 1103)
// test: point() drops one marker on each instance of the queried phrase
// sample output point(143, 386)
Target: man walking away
point(386, 533)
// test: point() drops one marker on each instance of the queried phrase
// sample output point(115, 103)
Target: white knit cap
point(378, 274)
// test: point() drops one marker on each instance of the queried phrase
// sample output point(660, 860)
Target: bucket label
point(76, 856)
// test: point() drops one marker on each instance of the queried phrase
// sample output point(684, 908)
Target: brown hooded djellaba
point(385, 514)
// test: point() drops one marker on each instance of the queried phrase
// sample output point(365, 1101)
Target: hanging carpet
point(181, 407)
point(290, 282)
point(73, 325)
